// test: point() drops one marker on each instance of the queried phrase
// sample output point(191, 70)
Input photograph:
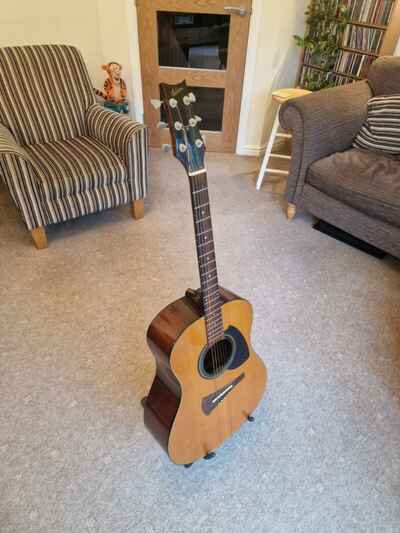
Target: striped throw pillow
point(381, 130)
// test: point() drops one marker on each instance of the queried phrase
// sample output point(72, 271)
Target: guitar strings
point(217, 349)
point(214, 355)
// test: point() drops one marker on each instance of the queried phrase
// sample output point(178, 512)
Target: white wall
point(119, 42)
point(272, 63)
point(73, 22)
point(106, 31)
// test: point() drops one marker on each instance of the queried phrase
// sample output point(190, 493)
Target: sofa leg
point(291, 211)
point(39, 237)
point(137, 209)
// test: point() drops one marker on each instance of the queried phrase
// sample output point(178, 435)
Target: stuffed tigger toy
point(114, 92)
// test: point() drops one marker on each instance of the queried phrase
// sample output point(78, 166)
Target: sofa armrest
point(322, 123)
point(21, 177)
point(126, 138)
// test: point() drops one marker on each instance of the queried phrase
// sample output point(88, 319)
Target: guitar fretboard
point(206, 257)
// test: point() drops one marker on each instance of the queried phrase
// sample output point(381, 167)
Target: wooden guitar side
point(173, 412)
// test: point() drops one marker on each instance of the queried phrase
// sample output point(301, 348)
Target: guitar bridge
point(210, 402)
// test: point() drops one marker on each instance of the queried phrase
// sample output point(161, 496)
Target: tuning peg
point(156, 103)
point(162, 125)
point(166, 148)
point(192, 98)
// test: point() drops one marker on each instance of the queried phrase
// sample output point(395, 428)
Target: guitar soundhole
point(216, 359)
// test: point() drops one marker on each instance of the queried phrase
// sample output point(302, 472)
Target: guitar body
point(189, 412)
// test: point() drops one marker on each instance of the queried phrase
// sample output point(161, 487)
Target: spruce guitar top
point(208, 379)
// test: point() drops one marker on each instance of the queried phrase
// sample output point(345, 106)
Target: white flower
point(193, 122)
point(199, 119)
point(186, 100)
point(199, 143)
point(178, 126)
point(192, 97)
point(156, 103)
point(173, 102)
point(182, 148)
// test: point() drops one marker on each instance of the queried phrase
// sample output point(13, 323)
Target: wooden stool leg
point(291, 211)
point(137, 209)
point(268, 151)
point(39, 238)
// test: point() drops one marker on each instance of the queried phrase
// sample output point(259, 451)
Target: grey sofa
point(354, 190)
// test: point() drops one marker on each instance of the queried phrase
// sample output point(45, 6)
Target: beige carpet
point(323, 454)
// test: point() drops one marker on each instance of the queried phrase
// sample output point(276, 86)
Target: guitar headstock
point(187, 142)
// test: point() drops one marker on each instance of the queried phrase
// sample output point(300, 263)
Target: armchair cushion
point(44, 92)
point(126, 138)
point(73, 166)
point(363, 180)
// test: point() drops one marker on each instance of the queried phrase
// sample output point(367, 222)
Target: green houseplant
point(326, 23)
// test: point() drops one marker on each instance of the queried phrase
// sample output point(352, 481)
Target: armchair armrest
point(126, 138)
point(322, 123)
point(21, 177)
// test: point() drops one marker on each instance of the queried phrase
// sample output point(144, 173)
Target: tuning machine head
point(156, 103)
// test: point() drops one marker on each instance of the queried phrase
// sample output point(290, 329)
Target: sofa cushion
point(72, 166)
point(364, 180)
point(381, 130)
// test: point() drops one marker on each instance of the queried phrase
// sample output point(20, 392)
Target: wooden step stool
point(280, 96)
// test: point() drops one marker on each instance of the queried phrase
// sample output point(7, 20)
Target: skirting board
point(255, 150)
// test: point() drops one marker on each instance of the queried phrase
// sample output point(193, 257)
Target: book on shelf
point(353, 63)
point(363, 39)
point(370, 11)
point(361, 44)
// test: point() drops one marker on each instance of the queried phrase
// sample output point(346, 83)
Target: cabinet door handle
point(242, 11)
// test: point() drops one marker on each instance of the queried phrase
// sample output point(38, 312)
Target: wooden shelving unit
point(363, 41)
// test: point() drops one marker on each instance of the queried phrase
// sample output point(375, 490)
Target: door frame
point(249, 73)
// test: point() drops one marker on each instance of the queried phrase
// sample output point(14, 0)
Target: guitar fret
point(200, 190)
point(202, 205)
point(215, 295)
point(213, 306)
point(208, 274)
point(202, 220)
point(213, 285)
point(214, 328)
point(204, 232)
point(218, 332)
point(207, 253)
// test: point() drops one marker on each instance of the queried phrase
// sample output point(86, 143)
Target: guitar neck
point(206, 257)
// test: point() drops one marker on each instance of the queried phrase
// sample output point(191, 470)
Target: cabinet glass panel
point(193, 40)
point(209, 106)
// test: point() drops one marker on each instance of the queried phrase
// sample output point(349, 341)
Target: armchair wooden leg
point(291, 211)
point(137, 209)
point(39, 237)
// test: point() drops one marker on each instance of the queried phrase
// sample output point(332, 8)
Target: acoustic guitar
point(208, 378)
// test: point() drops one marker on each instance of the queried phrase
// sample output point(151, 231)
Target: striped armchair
point(62, 155)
